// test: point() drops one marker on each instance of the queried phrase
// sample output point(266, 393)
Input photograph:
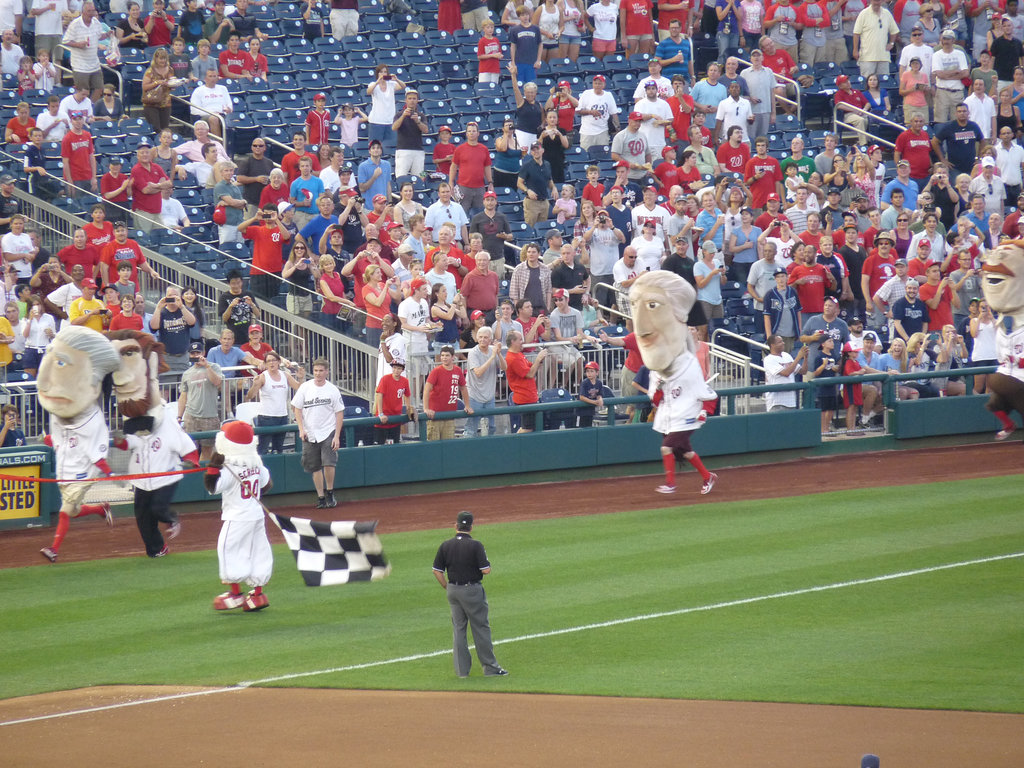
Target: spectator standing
point(123, 250)
point(79, 157)
point(488, 53)
point(156, 90)
point(949, 68)
point(344, 18)
point(172, 324)
point(761, 85)
point(290, 162)
point(874, 35)
point(440, 394)
point(522, 374)
point(781, 368)
point(535, 181)
point(781, 25)
point(382, 94)
point(981, 109)
point(480, 287)
point(409, 126)
point(531, 280)
point(495, 229)
point(82, 37)
point(268, 237)
point(158, 25)
point(675, 52)
point(148, 181)
point(304, 193)
point(598, 114)
point(253, 173)
point(237, 308)
point(198, 397)
point(962, 139)
point(319, 414)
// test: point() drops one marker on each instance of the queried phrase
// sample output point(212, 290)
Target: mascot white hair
point(661, 302)
point(1003, 286)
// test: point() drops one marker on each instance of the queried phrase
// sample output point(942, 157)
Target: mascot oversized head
point(70, 378)
point(661, 302)
point(235, 445)
point(135, 381)
point(1003, 286)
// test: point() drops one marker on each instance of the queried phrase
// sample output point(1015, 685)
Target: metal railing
point(58, 57)
point(786, 99)
point(837, 124)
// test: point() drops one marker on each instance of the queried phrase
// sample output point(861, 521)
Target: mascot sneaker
point(254, 602)
point(227, 601)
point(709, 484)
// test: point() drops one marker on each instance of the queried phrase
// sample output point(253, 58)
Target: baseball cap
point(6, 179)
point(622, 164)
point(195, 346)
point(925, 243)
point(709, 245)
point(255, 327)
point(988, 162)
point(559, 293)
point(536, 145)
point(88, 283)
point(464, 520)
point(635, 116)
point(666, 149)
point(346, 168)
point(903, 162)
point(948, 33)
point(320, 97)
point(885, 235)
point(650, 84)
point(842, 79)
point(847, 347)
point(475, 314)
point(488, 193)
point(143, 143)
point(773, 196)
point(283, 206)
point(779, 271)
point(403, 248)
point(873, 148)
point(564, 84)
point(900, 262)
point(379, 199)
point(444, 128)
point(833, 299)
point(871, 335)
point(592, 366)
point(599, 77)
point(835, 191)
point(552, 233)
point(398, 360)
point(418, 283)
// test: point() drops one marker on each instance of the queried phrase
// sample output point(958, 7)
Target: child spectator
point(10, 433)
point(590, 392)
point(114, 187)
point(190, 23)
point(826, 366)
point(392, 399)
point(313, 15)
point(443, 150)
point(524, 40)
point(44, 71)
point(488, 52)
point(180, 63)
point(593, 190)
point(26, 75)
point(318, 121)
point(853, 396)
point(565, 206)
point(350, 118)
point(124, 284)
point(40, 182)
point(203, 62)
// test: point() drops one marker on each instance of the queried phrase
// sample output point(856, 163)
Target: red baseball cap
point(926, 244)
point(88, 282)
point(379, 199)
point(599, 77)
point(490, 194)
point(773, 196)
point(842, 79)
point(255, 327)
point(475, 314)
point(666, 149)
point(635, 116)
point(622, 164)
point(418, 283)
point(564, 84)
point(592, 366)
point(559, 293)
point(320, 97)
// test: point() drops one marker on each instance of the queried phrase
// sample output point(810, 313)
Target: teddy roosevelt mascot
point(1003, 285)
point(152, 434)
point(70, 382)
point(661, 302)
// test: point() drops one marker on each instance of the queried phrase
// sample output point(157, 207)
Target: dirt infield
point(292, 727)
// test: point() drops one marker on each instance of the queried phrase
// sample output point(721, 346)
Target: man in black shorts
point(466, 562)
point(319, 414)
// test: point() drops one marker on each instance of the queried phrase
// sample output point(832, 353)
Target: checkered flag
point(334, 553)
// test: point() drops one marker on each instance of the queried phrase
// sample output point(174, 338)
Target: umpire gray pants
point(469, 607)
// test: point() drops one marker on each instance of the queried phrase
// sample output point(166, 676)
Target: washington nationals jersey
point(684, 392)
point(1010, 349)
point(240, 487)
point(79, 444)
point(159, 451)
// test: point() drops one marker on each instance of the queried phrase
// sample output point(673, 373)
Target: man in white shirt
point(663, 84)
point(18, 250)
point(735, 110)
point(10, 54)
point(49, 25)
point(78, 101)
point(1009, 157)
point(598, 115)
point(51, 121)
point(172, 212)
point(917, 50)
point(331, 175)
point(781, 368)
point(986, 184)
point(447, 211)
point(657, 115)
point(11, 16)
point(650, 211)
point(211, 97)
point(319, 413)
point(982, 109)
point(82, 38)
point(59, 301)
point(949, 67)
point(202, 171)
point(414, 312)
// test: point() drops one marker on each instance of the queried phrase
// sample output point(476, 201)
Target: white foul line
point(536, 636)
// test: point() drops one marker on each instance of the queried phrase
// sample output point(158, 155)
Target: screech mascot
point(152, 434)
point(243, 549)
point(1003, 286)
point(661, 303)
point(70, 382)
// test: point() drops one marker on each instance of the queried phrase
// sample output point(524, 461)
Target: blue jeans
point(377, 131)
point(473, 422)
point(274, 442)
point(725, 42)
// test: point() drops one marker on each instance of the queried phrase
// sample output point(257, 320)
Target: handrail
point(789, 81)
point(224, 118)
point(56, 59)
point(616, 291)
point(738, 337)
point(870, 116)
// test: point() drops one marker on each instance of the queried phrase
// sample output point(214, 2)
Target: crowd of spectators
point(387, 225)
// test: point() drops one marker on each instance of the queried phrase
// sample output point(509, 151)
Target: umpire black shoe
point(497, 672)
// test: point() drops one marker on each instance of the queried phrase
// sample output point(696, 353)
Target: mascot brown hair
point(1003, 286)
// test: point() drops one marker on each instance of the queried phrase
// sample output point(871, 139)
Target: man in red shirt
point(849, 100)
point(809, 279)
point(232, 60)
point(124, 249)
point(879, 266)
point(734, 153)
point(159, 26)
point(666, 170)
point(636, 25)
point(441, 393)
point(763, 175)
point(471, 169)
point(99, 231)
point(781, 63)
point(915, 146)
point(148, 181)
point(681, 104)
point(290, 162)
point(940, 297)
point(522, 375)
point(76, 151)
point(368, 254)
point(80, 252)
point(268, 238)
point(773, 212)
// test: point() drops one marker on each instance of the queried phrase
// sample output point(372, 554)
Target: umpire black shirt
point(462, 557)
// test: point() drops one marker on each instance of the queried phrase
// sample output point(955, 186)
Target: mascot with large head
point(157, 442)
point(1003, 286)
point(69, 384)
point(661, 302)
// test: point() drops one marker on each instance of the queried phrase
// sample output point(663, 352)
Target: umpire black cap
point(464, 521)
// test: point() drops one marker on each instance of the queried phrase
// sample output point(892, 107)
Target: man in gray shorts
point(198, 399)
point(319, 413)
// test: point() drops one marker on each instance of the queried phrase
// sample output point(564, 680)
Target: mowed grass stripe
point(136, 621)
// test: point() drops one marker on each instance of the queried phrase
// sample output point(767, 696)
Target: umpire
point(466, 563)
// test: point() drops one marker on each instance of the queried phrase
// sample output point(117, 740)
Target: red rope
point(112, 478)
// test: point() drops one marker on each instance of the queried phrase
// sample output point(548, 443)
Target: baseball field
point(887, 600)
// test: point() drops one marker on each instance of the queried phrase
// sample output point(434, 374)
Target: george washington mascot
point(243, 549)
point(70, 382)
point(660, 303)
point(1003, 286)
point(153, 435)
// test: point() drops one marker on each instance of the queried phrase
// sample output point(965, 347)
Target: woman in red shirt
point(377, 299)
point(564, 103)
point(332, 287)
point(276, 191)
point(522, 375)
point(19, 126)
point(255, 62)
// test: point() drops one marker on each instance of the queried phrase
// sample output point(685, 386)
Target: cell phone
point(387, 77)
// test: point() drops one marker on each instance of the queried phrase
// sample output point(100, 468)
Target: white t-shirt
point(319, 406)
point(982, 111)
point(216, 99)
point(37, 337)
point(274, 395)
point(655, 134)
point(664, 87)
point(382, 110)
point(922, 52)
point(648, 253)
point(62, 298)
point(1009, 162)
point(396, 346)
point(49, 22)
point(12, 243)
point(659, 215)
point(941, 61)
point(621, 272)
point(240, 488)
point(773, 364)
point(589, 124)
point(413, 312)
point(84, 60)
point(159, 451)
point(172, 212)
point(606, 18)
point(331, 180)
point(732, 113)
point(68, 105)
point(10, 58)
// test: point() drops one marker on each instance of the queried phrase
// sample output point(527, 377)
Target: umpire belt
point(464, 583)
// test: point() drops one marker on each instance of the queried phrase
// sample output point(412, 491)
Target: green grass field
point(949, 638)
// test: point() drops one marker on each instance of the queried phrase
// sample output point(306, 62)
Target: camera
point(602, 219)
